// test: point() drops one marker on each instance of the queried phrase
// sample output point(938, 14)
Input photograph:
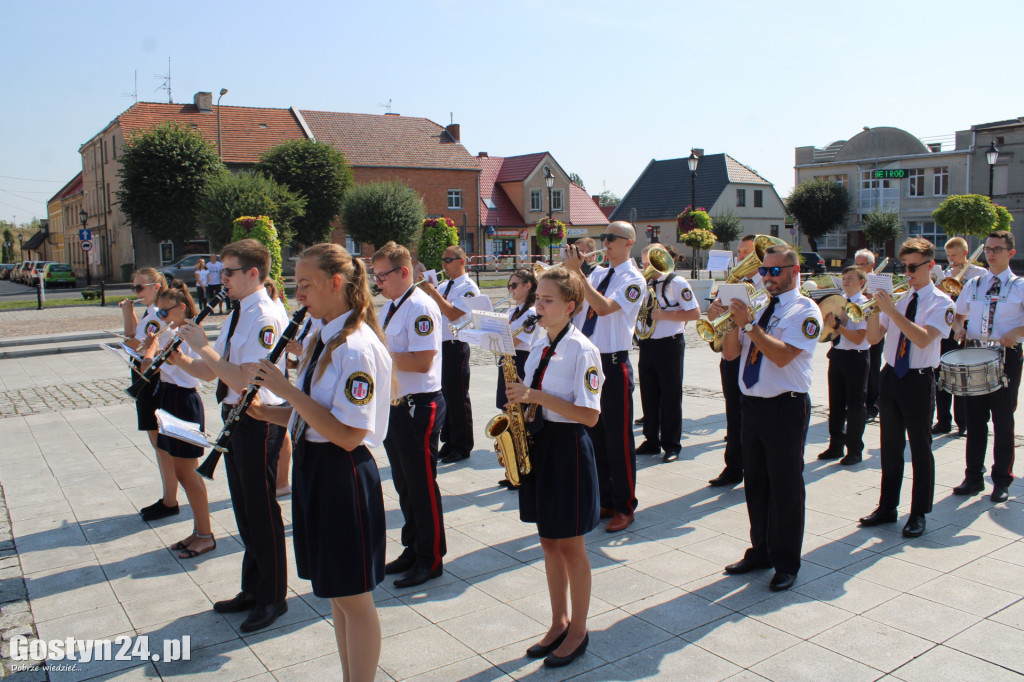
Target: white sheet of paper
point(497, 324)
point(719, 261)
point(130, 351)
point(727, 293)
point(880, 282)
point(173, 427)
point(837, 282)
point(118, 353)
point(431, 276)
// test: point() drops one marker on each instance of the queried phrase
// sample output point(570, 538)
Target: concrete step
point(34, 346)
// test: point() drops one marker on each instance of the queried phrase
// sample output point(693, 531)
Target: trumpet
point(540, 268)
point(858, 311)
point(955, 284)
point(713, 331)
point(661, 263)
point(881, 266)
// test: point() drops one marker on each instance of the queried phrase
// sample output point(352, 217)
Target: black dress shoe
point(726, 478)
point(639, 421)
point(240, 602)
point(418, 576)
point(452, 458)
point(670, 456)
point(871, 417)
point(542, 650)
point(403, 563)
point(879, 516)
point(153, 507)
point(960, 433)
point(553, 661)
point(746, 565)
point(782, 581)
point(831, 453)
point(648, 448)
point(851, 459)
point(969, 487)
point(263, 615)
point(914, 527)
point(941, 428)
point(160, 512)
point(1000, 493)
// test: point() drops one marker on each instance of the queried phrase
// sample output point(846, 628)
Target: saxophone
point(508, 429)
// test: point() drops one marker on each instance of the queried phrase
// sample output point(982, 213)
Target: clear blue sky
point(604, 85)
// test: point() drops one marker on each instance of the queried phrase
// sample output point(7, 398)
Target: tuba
point(749, 265)
point(955, 284)
point(508, 429)
point(661, 263)
point(713, 331)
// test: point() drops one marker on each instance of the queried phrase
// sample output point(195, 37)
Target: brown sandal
point(192, 554)
point(182, 545)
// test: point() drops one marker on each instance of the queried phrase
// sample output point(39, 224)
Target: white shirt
point(975, 304)
point(614, 332)
point(529, 333)
point(203, 277)
point(844, 343)
point(796, 320)
point(259, 327)
point(175, 375)
point(355, 383)
point(454, 291)
point(972, 272)
point(149, 324)
point(415, 326)
point(309, 329)
point(574, 372)
point(672, 296)
point(934, 309)
point(214, 270)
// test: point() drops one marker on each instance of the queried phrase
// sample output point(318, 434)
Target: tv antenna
point(386, 106)
point(135, 90)
point(166, 81)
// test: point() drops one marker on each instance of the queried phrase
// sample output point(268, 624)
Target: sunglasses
point(512, 286)
point(449, 259)
point(381, 276)
point(608, 237)
point(773, 271)
point(912, 267)
point(227, 272)
point(162, 313)
point(137, 288)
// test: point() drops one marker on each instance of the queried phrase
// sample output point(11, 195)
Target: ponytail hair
point(527, 276)
point(177, 294)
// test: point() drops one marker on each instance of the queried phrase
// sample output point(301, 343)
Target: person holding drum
point(993, 307)
point(906, 392)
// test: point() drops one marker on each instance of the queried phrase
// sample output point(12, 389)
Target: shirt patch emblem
point(687, 295)
point(949, 316)
point(152, 327)
point(359, 388)
point(424, 325)
point(592, 380)
point(811, 328)
point(632, 293)
point(469, 294)
point(529, 327)
point(267, 335)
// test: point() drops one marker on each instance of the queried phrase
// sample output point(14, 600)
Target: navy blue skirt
point(561, 494)
point(146, 403)
point(183, 403)
point(338, 520)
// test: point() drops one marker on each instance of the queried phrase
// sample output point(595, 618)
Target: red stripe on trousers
point(430, 479)
point(627, 433)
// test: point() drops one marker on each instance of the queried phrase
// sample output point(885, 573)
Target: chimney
point(453, 131)
point(699, 153)
point(481, 155)
point(203, 101)
point(935, 147)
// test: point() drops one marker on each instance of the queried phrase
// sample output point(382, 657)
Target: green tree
point(575, 178)
point(379, 212)
point(609, 198)
point(319, 173)
point(261, 228)
point(966, 215)
point(8, 246)
point(727, 227)
point(1003, 218)
point(164, 171)
point(819, 206)
point(880, 226)
point(233, 195)
point(437, 235)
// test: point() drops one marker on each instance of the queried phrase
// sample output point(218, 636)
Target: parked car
point(58, 275)
point(811, 263)
point(6, 269)
point(184, 269)
point(34, 270)
point(19, 271)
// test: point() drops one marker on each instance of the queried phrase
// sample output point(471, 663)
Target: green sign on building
point(890, 174)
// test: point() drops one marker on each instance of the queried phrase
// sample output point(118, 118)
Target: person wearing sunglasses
point(457, 433)
point(912, 329)
point(612, 298)
point(412, 333)
point(992, 306)
point(252, 329)
point(776, 349)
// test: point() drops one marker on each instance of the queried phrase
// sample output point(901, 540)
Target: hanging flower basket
point(692, 219)
point(549, 232)
point(436, 236)
point(261, 228)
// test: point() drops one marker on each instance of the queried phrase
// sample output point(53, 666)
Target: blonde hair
point(154, 276)
point(917, 245)
point(956, 242)
point(396, 254)
point(569, 283)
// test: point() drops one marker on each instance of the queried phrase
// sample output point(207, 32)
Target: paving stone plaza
point(868, 604)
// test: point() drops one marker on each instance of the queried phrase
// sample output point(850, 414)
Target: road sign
point(86, 245)
point(85, 235)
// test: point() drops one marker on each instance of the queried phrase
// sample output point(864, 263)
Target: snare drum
point(971, 371)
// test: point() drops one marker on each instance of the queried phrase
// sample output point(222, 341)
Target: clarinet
point(146, 377)
point(220, 445)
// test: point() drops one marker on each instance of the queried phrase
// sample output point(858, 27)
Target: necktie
point(993, 295)
point(448, 288)
point(902, 366)
point(299, 429)
point(752, 370)
point(591, 322)
point(222, 388)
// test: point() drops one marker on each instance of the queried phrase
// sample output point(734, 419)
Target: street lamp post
point(692, 162)
point(21, 249)
point(549, 180)
point(991, 156)
point(84, 217)
point(220, 154)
